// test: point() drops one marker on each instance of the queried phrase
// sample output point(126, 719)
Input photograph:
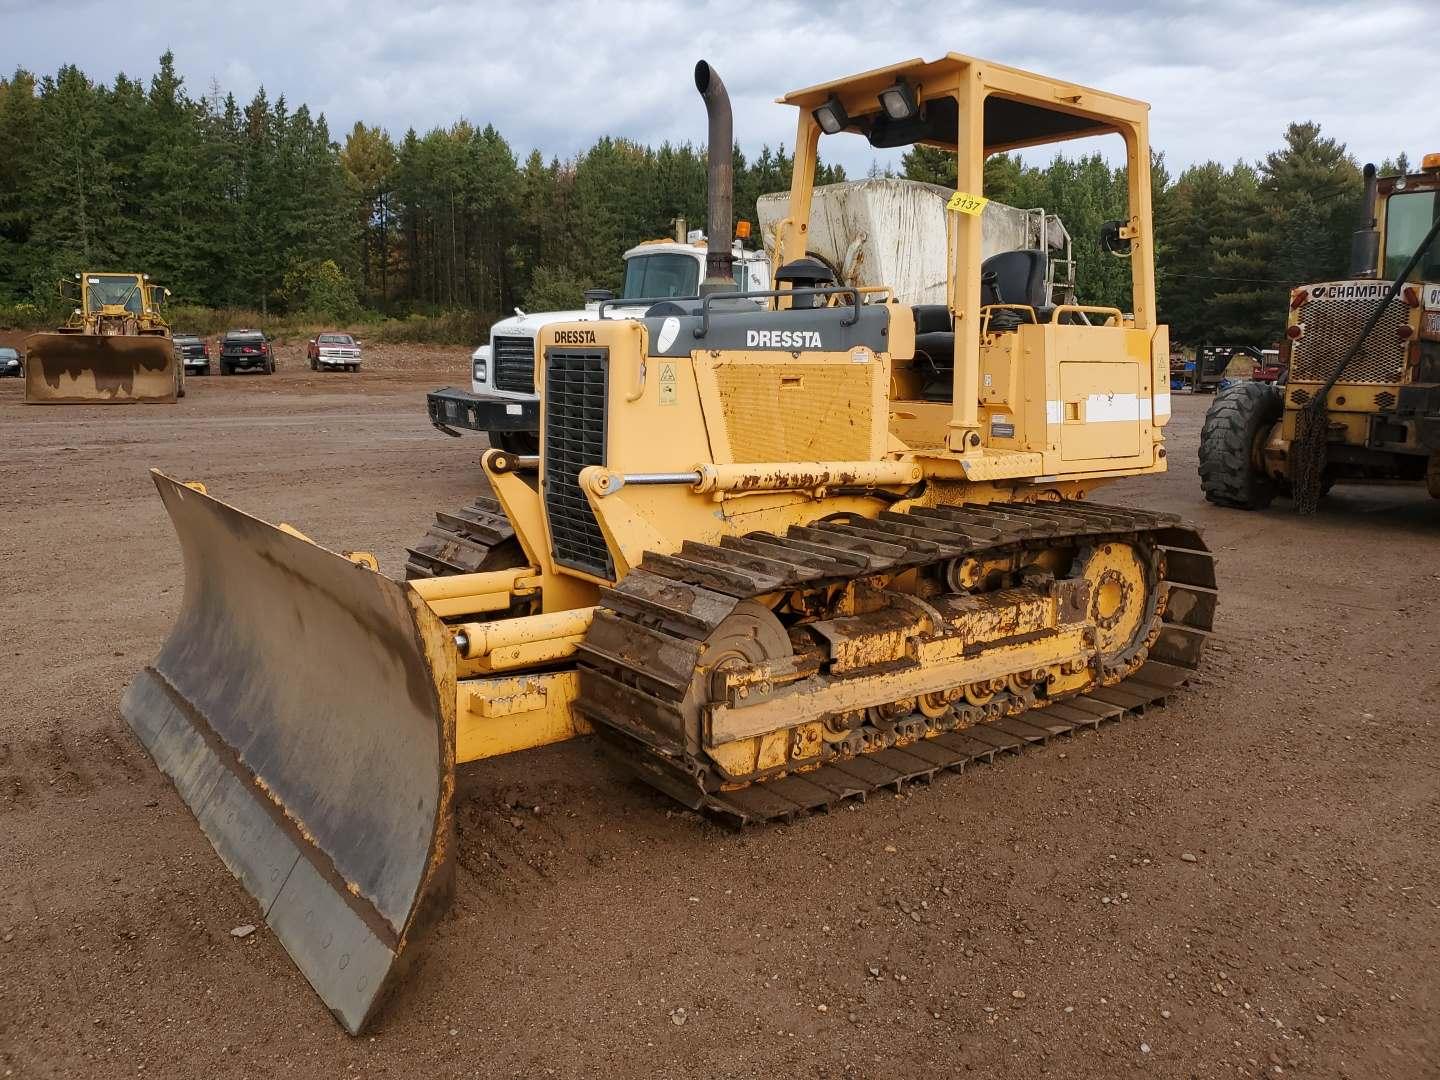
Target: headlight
point(480, 364)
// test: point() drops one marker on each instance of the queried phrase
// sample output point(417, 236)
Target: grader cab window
point(1408, 217)
point(114, 290)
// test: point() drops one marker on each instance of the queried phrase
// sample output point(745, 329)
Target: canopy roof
point(1021, 108)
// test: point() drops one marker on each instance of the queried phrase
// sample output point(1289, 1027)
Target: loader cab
point(1409, 206)
point(113, 290)
point(996, 369)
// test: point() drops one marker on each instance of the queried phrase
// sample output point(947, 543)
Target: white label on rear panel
point(513, 410)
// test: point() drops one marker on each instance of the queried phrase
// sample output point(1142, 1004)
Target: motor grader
point(114, 348)
point(1362, 358)
point(752, 556)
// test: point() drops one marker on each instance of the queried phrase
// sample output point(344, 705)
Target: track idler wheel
point(1124, 603)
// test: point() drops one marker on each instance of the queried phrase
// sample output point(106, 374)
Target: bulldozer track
point(651, 625)
point(460, 542)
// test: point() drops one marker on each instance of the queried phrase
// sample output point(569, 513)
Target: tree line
point(259, 206)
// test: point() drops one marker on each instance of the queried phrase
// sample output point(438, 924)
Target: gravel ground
point(1039, 916)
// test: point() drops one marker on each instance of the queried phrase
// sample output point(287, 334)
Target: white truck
point(501, 400)
point(866, 232)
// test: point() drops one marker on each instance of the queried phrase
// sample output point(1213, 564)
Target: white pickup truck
point(501, 400)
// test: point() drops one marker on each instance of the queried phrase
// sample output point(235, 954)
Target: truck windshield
point(115, 289)
point(1408, 218)
point(660, 275)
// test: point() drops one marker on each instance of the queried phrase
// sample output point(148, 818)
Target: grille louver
point(1331, 327)
point(575, 430)
point(514, 359)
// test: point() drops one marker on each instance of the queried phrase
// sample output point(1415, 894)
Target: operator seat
point(1011, 277)
point(1016, 277)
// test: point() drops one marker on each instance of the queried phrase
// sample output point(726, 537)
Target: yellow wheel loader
point(115, 347)
point(777, 551)
point(1361, 400)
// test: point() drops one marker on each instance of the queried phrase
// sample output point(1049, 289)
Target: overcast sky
point(1223, 76)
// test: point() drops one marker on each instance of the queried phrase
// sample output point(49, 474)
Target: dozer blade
point(304, 707)
point(63, 369)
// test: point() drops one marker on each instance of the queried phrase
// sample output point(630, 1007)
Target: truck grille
point(514, 359)
point(1331, 327)
point(575, 396)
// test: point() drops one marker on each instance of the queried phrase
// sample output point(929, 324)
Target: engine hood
point(531, 324)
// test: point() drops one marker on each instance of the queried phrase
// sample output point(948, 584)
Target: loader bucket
point(109, 368)
point(304, 706)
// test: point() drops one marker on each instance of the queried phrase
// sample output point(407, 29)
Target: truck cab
point(502, 401)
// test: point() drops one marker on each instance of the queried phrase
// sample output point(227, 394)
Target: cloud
point(1223, 76)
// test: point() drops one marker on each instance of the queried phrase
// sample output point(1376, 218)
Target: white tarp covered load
point(888, 231)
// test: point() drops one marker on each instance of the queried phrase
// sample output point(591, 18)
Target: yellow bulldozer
point(115, 347)
point(777, 550)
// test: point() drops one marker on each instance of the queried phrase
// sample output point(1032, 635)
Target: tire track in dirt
point(57, 766)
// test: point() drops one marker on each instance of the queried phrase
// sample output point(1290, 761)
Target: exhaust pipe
point(1365, 243)
point(719, 268)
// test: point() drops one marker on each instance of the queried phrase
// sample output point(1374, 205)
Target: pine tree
point(369, 161)
point(19, 166)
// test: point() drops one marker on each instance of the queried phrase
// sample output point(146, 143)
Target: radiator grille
point(514, 359)
point(798, 412)
point(1331, 327)
point(575, 395)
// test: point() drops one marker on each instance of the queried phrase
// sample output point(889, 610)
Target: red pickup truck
point(333, 349)
point(1268, 368)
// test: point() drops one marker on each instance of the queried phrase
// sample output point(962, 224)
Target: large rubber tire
point(1240, 416)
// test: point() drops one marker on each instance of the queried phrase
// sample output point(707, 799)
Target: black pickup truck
point(246, 350)
point(194, 353)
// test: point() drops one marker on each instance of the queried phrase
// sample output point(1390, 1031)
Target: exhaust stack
point(719, 260)
point(1365, 242)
